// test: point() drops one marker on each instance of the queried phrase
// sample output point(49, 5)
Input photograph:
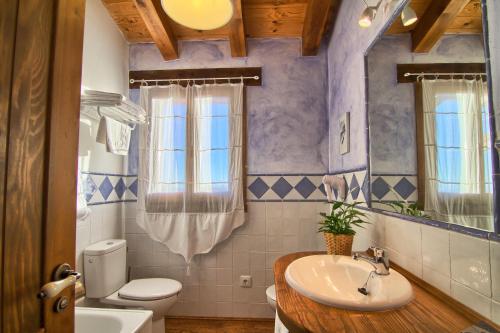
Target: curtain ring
point(241, 77)
point(420, 78)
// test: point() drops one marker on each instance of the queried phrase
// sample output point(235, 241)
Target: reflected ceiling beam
point(436, 20)
point(316, 20)
point(237, 38)
point(156, 22)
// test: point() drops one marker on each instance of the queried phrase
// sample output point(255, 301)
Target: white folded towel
point(82, 210)
point(115, 135)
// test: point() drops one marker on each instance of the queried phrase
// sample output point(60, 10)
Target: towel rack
point(95, 104)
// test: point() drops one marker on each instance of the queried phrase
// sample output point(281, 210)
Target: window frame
point(159, 202)
point(471, 198)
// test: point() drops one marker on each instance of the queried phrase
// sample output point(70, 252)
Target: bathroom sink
point(334, 281)
point(96, 320)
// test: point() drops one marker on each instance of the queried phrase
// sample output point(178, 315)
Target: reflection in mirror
point(429, 122)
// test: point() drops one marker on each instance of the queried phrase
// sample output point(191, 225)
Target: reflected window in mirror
point(455, 140)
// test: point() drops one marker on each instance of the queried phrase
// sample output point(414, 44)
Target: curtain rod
point(256, 77)
point(438, 74)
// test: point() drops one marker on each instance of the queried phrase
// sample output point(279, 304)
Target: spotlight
point(408, 16)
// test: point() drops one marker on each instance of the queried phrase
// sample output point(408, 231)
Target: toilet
point(105, 280)
point(279, 327)
point(271, 296)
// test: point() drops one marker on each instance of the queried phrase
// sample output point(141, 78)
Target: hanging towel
point(115, 135)
point(82, 210)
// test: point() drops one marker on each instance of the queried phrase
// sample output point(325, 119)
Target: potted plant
point(404, 207)
point(337, 227)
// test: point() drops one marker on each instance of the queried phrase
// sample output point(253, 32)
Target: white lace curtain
point(190, 194)
point(457, 152)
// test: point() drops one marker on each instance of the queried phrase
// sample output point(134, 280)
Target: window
point(194, 148)
point(205, 167)
point(190, 177)
point(454, 152)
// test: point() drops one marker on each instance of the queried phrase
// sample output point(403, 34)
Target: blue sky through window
point(449, 140)
point(215, 150)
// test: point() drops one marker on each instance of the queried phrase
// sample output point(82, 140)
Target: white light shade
point(366, 18)
point(408, 16)
point(199, 14)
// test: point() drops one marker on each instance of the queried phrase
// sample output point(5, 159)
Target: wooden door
point(40, 74)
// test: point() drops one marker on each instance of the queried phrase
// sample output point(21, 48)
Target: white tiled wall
point(467, 268)
point(212, 286)
point(104, 222)
point(105, 67)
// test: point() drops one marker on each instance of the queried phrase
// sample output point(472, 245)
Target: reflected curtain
point(190, 193)
point(458, 186)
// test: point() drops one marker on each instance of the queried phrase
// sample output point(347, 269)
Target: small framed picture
point(344, 133)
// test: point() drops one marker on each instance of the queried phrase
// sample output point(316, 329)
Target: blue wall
point(287, 115)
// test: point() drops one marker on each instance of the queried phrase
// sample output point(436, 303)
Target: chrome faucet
point(379, 260)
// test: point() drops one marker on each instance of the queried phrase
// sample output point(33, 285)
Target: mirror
point(429, 121)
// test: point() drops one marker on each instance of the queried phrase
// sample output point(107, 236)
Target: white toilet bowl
point(105, 267)
point(271, 296)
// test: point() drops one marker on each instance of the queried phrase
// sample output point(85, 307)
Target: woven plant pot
point(338, 244)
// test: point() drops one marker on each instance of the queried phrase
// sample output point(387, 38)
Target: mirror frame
point(492, 235)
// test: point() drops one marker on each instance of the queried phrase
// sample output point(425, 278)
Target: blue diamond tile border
point(306, 187)
point(258, 187)
point(404, 188)
point(380, 188)
point(106, 188)
point(133, 187)
point(103, 182)
point(282, 187)
point(120, 188)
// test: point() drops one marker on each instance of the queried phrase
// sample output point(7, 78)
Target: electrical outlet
point(245, 281)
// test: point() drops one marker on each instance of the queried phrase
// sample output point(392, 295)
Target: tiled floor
point(222, 325)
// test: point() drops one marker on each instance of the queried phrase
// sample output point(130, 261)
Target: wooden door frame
point(39, 114)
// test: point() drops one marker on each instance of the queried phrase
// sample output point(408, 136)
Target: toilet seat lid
point(149, 289)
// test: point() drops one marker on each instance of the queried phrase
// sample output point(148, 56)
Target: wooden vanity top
point(430, 312)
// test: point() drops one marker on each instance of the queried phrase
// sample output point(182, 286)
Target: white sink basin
point(94, 320)
point(334, 281)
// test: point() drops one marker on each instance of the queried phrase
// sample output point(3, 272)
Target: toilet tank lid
point(105, 246)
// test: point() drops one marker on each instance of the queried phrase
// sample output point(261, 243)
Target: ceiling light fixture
point(199, 14)
point(408, 16)
point(368, 15)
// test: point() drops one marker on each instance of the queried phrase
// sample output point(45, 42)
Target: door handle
point(64, 277)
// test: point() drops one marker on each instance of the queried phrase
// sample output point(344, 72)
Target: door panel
point(8, 16)
point(25, 168)
point(60, 225)
point(39, 126)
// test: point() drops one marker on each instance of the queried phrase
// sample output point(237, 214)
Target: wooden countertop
point(431, 311)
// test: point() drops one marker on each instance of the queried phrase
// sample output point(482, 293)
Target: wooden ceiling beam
point(317, 16)
point(237, 38)
point(437, 18)
point(156, 22)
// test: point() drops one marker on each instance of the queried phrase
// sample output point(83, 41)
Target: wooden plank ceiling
point(306, 19)
point(438, 17)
